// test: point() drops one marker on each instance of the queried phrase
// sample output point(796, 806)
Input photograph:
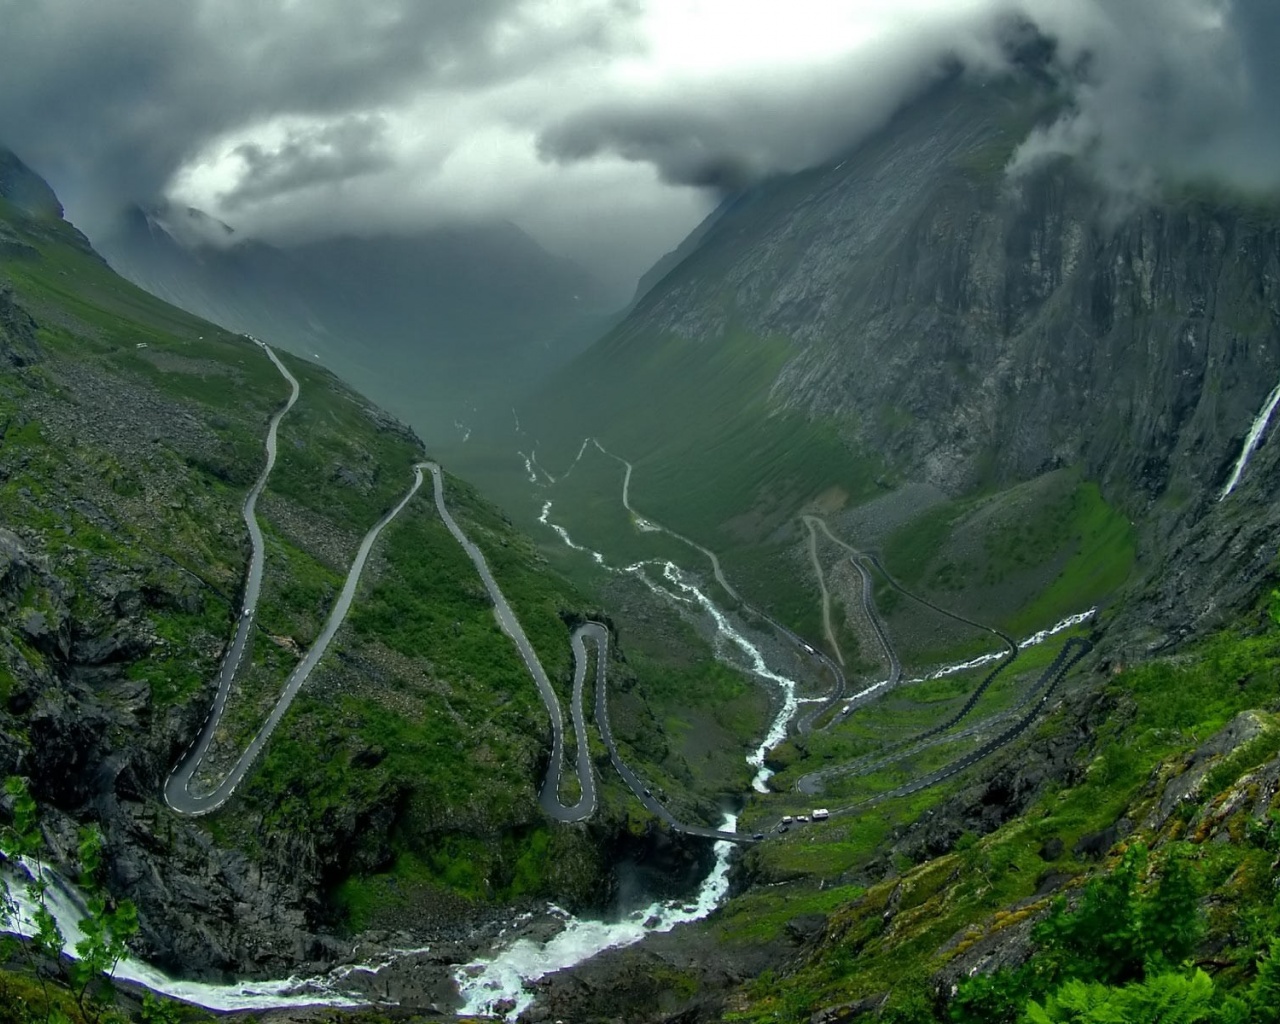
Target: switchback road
point(177, 788)
point(549, 795)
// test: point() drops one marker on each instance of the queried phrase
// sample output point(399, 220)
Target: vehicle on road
point(758, 835)
point(802, 818)
point(786, 819)
point(821, 814)
point(784, 828)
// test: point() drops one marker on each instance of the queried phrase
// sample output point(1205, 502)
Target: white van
point(821, 814)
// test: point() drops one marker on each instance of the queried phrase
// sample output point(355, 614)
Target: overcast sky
point(607, 128)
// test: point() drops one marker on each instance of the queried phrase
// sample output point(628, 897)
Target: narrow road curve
point(806, 724)
point(813, 782)
point(837, 674)
point(822, 587)
point(599, 635)
point(549, 795)
point(177, 788)
point(1072, 651)
point(869, 763)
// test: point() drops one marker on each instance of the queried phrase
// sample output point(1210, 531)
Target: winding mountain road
point(177, 789)
point(1072, 651)
point(598, 634)
point(837, 673)
point(549, 795)
point(178, 793)
point(813, 782)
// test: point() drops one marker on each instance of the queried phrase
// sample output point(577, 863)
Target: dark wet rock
point(806, 927)
point(18, 345)
point(847, 1013)
point(1052, 849)
point(1098, 844)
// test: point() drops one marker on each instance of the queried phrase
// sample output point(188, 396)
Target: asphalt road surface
point(177, 788)
point(549, 795)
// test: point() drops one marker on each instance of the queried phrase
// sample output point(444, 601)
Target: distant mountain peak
point(25, 189)
point(189, 227)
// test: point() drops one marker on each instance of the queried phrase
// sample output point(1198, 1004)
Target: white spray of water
point(1251, 440)
point(987, 659)
point(68, 909)
point(726, 635)
point(506, 976)
point(778, 731)
point(528, 467)
point(563, 534)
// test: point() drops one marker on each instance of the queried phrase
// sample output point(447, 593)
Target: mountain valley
point(919, 514)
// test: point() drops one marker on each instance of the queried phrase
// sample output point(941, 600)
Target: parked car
point(821, 814)
point(786, 819)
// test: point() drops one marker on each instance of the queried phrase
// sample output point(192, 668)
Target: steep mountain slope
point(433, 325)
point(1027, 397)
point(913, 314)
point(401, 788)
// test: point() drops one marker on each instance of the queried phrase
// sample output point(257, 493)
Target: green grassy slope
point(129, 444)
point(409, 765)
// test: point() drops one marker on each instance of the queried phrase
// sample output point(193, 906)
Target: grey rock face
point(17, 331)
point(975, 329)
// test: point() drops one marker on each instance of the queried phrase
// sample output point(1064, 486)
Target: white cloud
point(592, 122)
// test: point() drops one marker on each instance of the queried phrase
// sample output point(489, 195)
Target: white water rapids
point(685, 592)
point(986, 659)
point(68, 909)
point(486, 982)
point(482, 983)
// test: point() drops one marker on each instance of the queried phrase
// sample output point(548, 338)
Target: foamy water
point(68, 908)
point(986, 659)
point(1256, 430)
point(506, 975)
point(757, 666)
point(726, 637)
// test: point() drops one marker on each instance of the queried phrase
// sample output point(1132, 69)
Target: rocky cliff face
point(979, 329)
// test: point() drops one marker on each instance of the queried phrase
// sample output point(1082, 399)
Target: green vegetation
point(1115, 937)
point(712, 458)
point(130, 440)
point(1020, 559)
point(81, 990)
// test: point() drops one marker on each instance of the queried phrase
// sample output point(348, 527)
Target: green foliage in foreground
point(105, 929)
point(1133, 931)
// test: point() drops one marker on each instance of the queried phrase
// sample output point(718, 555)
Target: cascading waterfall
point(689, 594)
point(504, 978)
point(1033, 640)
point(1251, 440)
point(778, 731)
point(68, 909)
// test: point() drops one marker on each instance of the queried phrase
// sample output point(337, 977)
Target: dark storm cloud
point(117, 96)
point(295, 118)
point(1162, 89)
point(1166, 90)
point(354, 146)
point(743, 127)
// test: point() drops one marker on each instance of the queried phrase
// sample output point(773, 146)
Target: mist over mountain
point(725, 510)
point(437, 324)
